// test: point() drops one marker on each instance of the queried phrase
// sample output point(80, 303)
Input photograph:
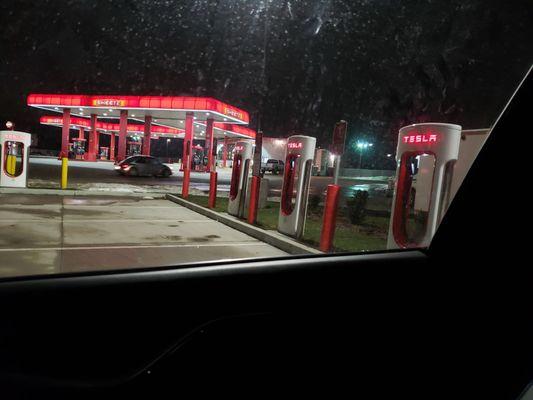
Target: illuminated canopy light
point(237, 129)
point(105, 126)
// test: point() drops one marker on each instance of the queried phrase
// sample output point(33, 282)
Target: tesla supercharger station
point(14, 149)
point(295, 189)
point(242, 158)
point(426, 156)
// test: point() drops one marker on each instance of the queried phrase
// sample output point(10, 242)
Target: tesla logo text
point(109, 102)
point(431, 138)
point(294, 145)
point(14, 138)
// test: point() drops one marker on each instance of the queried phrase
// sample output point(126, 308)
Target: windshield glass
point(363, 119)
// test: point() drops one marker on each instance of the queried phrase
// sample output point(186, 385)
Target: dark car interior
point(450, 322)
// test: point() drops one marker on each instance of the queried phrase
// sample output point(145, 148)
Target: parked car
point(272, 166)
point(143, 166)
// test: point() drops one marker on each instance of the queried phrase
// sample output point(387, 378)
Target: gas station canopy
point(165, 111)
point(162, 108)
point(191, 118)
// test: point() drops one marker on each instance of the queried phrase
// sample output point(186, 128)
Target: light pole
point(168, 159)
point(362, 146)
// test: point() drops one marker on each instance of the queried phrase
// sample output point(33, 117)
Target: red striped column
point(225, 152)
point(122, 134)
point(147, 135)
point(209, 143)
point(93, 140)
point(112, 147)
point(65, 132)
point(187, 154)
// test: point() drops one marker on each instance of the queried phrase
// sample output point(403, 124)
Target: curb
point(273, 238)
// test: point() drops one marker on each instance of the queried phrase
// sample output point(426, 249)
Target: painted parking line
point(195, 245)
point(85, 220)
point(129, 220)
point(124, 205)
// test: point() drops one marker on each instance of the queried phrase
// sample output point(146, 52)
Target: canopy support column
point(122, 135)
point(93, 140)
point(65, 132)
point(81, 135)
point(225, 152)
point(187, 153)
point(112, 147)
point(209, 144)
point(187, 141)
point(147, 135)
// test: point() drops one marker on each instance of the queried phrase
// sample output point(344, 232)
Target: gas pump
point(426, 157)
point(78, 148)
point(197, 158)
point(133, 148)
point(242, 159)
point(295, 190)
point(104, 153)
point(14, 152)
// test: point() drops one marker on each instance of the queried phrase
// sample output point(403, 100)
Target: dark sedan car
point(143, 166)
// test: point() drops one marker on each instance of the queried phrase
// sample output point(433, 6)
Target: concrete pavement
point(42, 234)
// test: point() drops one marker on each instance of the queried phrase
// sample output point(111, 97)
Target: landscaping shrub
point(356, 207)
point(313, 204)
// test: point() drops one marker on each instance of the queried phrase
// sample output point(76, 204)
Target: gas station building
point(153, 117)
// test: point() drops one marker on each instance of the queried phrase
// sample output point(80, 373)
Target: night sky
point(296, 66)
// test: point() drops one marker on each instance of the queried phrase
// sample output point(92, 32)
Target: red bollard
point(330, 217)
point(254, 199)
point(212, 202)
point(186, 179)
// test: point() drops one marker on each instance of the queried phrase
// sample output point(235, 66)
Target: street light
point(10, 125)
point(168, 159)
point(362, 145)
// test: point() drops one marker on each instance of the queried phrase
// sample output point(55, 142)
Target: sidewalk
point(50, 234)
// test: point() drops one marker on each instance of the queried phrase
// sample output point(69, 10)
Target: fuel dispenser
point(14, 152)
point(198, 158)
point(426, 157)
point(77, 147)
point(133, 148)
point(242, 158)
point(295, 190)
point(104, 153)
